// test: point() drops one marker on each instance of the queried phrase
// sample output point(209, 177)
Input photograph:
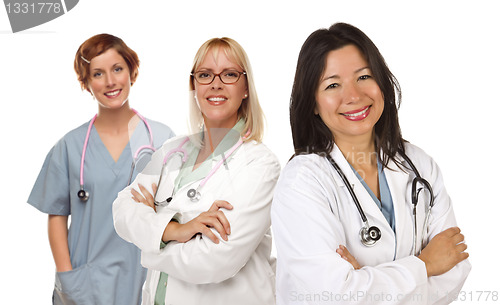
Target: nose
point(217, 83)
point(352, 92)
point(110, 80)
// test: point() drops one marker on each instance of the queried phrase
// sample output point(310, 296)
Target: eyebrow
point(336, 76)
point(212, 70)
point(114, 65)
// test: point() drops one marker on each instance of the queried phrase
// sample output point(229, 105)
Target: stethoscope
point(369, 235)
point(82, 193)
point(193, 193)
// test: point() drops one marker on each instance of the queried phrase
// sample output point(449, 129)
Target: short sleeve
point(161, 133)
point(50, 194)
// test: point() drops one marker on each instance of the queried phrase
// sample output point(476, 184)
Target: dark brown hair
point(309, 132)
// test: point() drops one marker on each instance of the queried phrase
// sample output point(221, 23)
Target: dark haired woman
point(83, 174)
point(343, 217)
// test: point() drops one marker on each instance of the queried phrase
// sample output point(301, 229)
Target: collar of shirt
point(187, 175)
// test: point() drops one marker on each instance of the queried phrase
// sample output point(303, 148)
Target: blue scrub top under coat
point(106, 269)
point(385, 204)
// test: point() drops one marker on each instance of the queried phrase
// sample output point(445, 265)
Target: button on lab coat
point(313, 213)
point(239, 271)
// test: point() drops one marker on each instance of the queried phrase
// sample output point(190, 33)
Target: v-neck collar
point(188, 175)
point(385, 194)
point(368, 189)
point(96, 141)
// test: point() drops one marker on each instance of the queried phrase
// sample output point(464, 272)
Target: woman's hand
point(213, 218)
point(147, 199)
point(444, 251)
point(345, 254)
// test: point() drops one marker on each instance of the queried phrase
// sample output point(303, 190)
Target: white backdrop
point(445, 55)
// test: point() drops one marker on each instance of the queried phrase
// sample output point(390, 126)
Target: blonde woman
point(200, 212)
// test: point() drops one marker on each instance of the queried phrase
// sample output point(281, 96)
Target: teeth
point(217, 99)
point(114, 93)
point(357, 113)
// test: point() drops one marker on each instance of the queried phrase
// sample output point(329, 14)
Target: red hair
point(95, 46)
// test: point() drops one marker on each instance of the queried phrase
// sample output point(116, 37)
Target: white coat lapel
point(372, 211)
point(386, 247)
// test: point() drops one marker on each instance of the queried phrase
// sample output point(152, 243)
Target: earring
point(246, 95)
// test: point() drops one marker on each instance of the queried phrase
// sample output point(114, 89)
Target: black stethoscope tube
point(349, 187)
point(370, 235)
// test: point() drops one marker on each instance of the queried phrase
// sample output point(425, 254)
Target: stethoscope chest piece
point(369, 235)
point(83, 195)
point(194, 195)
point(138, 157)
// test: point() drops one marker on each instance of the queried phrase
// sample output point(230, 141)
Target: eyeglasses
point(227, 76)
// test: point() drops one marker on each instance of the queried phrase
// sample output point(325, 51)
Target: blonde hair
point(250, 109)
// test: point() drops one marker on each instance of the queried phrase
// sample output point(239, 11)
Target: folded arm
point(200, 260)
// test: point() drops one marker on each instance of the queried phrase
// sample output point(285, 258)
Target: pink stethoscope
point(193, 194)
point(82, 193)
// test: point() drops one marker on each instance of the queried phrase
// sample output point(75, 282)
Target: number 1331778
point(33, 8)
point(477, 296)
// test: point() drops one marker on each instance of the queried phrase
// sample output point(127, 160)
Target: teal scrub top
point(106, 269)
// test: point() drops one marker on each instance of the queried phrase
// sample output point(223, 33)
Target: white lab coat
point(239, 271)
point(313, 213)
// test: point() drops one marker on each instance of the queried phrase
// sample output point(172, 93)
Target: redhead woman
point(200, 212)
point(83, 174)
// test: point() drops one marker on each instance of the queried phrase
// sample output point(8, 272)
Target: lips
point(216, 100)
point(113, 93)
point(358, 114)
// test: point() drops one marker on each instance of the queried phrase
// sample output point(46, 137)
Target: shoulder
point(159, 126)
point(424, 163)
point(306, 181)
point(260, 153)
point(417, 155)
point(308, 168)
point(176, 142)
point(69, 147)
point(161, 132)
point(77, 133)
point(72, 139)
point(306, 163)
point(415, 151)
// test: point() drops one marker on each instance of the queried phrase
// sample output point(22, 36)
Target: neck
point(214, 133)
point(213, 137)
point(358, 151)
point(114, 120)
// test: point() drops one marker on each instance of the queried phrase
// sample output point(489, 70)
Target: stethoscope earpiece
point(83, 195)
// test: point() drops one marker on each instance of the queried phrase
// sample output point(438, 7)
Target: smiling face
point(219, 102)
point(348, 99)
point(109, 79)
